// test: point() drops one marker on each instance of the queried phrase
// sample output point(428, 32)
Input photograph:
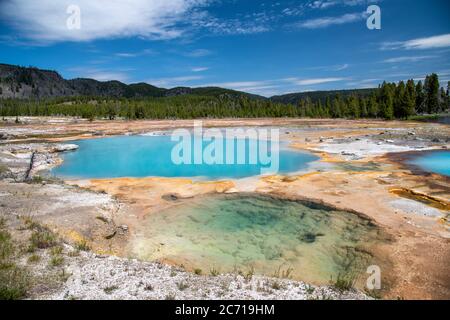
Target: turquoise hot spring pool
point(150, 156)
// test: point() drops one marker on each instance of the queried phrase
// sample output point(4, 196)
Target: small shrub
point(74, 253)
point(56, 261)
point(182, 285)
point(275, 285)
point(14, 283)
point(42, 239)
point(34, 258)
point(198, 271)
point(344, 282)
point(6, 246)
point(283, 274)
point(37, 180)
point(376, 294)
point(214, 272)
point(83, 246)
point(30, 224)
point(14, 280)
point(110, 289)
point(57, 250)
point(310, 289)
point(249, 275)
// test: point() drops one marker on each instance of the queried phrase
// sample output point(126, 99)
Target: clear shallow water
point(146, 156)
point(438, 162)
point(249, 231)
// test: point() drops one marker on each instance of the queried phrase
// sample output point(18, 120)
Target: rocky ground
point(94, 221)
point(43, 266)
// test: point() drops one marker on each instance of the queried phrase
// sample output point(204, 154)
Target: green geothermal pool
point(245, 232)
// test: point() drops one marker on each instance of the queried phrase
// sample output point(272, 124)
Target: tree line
point(389, 101)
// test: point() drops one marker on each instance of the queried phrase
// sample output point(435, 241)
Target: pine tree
point(420, 98)
point(387, 101)
point(410, 103)
point(432, 93)
point(448, 96)
point(336, 111)
point(399, 100)
point(443, 101)
point(353, 107)
point(302, 106)
point(363, 106)
point(328, 107)
point(373, 106)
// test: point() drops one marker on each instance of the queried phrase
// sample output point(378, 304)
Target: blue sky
point(264, 47)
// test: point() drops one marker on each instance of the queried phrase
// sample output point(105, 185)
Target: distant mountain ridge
point(33, 83)
point(315, 96)
point(29, 82)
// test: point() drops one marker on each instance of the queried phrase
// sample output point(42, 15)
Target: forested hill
point(34, 92)
point(316, 96)
point(29, 83)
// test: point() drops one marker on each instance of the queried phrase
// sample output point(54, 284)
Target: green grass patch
point(14, 280)
point(56, 261)
point(82, 246)
point(42, 239)
point(198, 271)
point(429, 117)
point(37, 180)
point(344, 282)
point(34, 258)
point(214, 272)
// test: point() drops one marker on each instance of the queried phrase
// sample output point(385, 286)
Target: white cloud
point(275, 86)
point(263, 87)
point(324, 4)
point(336, 67)
point(307, 82)
point(330, 21)
point(174, 81)
point(439, 41)
point(45, 20)
point(199, 69)
point(253, 23)
point(100, 74)
point(408, 59)
point(144, 52)
point(365, 83)
point(239, 85)
point(341, 67)
point(108, 76)
point(198, 53)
